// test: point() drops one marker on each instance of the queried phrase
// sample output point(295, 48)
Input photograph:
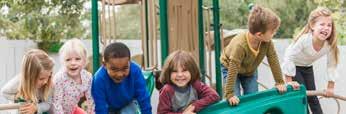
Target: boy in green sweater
point(246, 51)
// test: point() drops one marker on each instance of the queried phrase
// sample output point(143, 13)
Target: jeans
point(248, 83)
point(131, 108)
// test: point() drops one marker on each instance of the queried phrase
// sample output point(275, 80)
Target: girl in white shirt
point(33, 84)
point(318, 38)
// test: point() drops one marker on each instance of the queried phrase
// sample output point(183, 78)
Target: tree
point(42, 20)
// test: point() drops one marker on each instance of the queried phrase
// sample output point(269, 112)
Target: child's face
point(118, 68)
point(180, 77)
point(43, 78)
point(322, 28)
point(74, 63)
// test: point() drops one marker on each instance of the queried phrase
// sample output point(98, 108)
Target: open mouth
point(324, 33)
point(73, 69)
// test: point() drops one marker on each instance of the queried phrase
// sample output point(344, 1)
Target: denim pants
point(248, 83)
point(305, 76)
point(131, 108)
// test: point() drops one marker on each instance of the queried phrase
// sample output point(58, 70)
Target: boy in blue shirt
point(119, 83)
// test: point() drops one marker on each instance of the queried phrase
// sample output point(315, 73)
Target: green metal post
point(95, 35)
point(163, 30)
point(201, 39)
point(147, 31)
point(217, 48)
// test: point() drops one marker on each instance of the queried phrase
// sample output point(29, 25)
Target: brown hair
point(186, 61)
point(34, 61)
point(332, 40)
point(262, 19)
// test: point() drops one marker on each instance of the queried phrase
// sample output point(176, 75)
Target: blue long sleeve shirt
point(108, 94)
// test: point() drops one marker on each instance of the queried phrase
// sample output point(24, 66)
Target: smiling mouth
point(73, 69)
point(324, 33)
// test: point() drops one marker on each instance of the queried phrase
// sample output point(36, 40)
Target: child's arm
point(288, 66)
point(99, 96)
point(58, 97)
point(10, 89)
point(206, 96)
point(330, 88)
point(274, 64)
point(165, 104)
point(89, 101)
point(331, 73)
point(232, 58)
point(141, 92)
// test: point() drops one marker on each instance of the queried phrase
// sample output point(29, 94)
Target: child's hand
point(294, 84)
point(189, 110)
point(233, 100)
point(329, 92)
point(28, 108)
point(281, 88)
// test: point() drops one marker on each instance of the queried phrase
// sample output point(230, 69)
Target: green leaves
point(42, 20)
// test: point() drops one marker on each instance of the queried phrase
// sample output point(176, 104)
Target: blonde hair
point(186, 61)
point(34, 62)
point(262, 19)
point(73, 46)
point(332, 40)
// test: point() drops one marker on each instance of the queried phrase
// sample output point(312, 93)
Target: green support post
point(201, 39)
point(217, 48)
point(95, 35)
point(163, 30)
point(147, 31)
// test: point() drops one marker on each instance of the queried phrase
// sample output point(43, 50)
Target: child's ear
point(258, 34)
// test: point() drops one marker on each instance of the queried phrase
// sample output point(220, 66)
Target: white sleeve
point(288, 66)
point(332, 73)
point(10, 89)
point(43, 107)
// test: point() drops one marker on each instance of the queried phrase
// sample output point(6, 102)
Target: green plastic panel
point(150, 80)
point(264, 102)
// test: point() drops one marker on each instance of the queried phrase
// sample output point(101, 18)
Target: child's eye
point(78, 58)
point(67, 59)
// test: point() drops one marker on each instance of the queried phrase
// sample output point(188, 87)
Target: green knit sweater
point(238, 58)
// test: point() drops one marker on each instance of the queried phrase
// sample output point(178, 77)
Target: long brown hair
point(186, 61)
point(332, 39)
point(34, 62)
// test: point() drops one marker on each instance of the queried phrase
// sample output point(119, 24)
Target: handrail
point(322, 93)
point(9, 106)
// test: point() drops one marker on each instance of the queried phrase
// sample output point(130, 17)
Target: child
point(183, 91)
point(246, 51)
point(32, 84)
point(72, 82)
point(318, 38)
point(119, 83)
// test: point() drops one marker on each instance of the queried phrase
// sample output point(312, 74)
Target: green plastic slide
point(264, 102)
point(150, 80)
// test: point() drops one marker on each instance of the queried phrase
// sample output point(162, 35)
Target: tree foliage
point(42, 20)
point(293, 13)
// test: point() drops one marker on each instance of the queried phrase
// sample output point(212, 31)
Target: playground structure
point(181, 27)
point(170, 31)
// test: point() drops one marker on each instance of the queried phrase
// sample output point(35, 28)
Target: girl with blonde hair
point(32, 84)
point(318, 38)
point(72, 81)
